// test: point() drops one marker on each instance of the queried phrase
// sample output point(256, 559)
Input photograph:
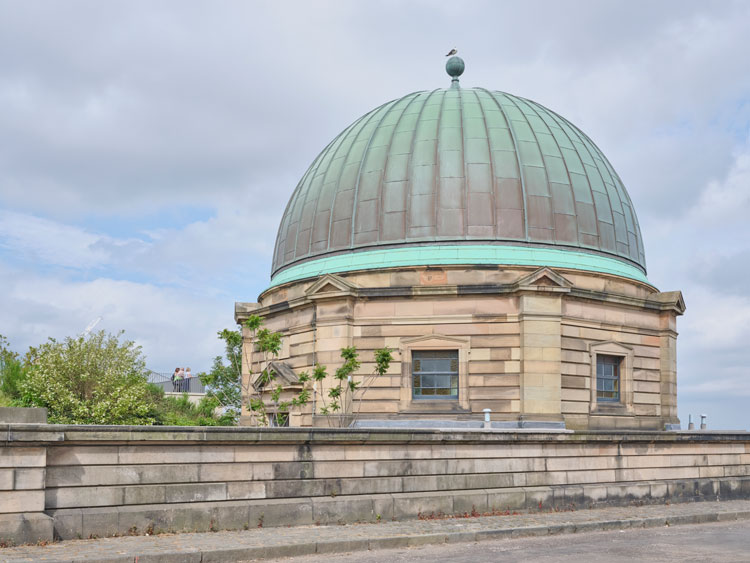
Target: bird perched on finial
point(453, 52)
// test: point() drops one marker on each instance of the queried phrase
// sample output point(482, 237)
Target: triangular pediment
point(330, 283)
point(281, 373)
point(433, 340)
point(544, 278)
point(672, 300)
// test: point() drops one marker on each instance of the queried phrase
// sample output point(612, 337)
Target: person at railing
point(188, 377)
point(181, 380)
point(175, 381)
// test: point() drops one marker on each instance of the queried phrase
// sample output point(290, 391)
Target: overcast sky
point(147, 149)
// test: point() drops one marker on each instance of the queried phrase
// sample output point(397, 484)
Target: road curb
point(391, 542)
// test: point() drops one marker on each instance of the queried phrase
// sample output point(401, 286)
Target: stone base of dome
point(530, 344)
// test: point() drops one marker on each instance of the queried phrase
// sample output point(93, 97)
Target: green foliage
point(342, 394)
point(223, 381)
point(12, 374)
point(383, 359)
point(268, 344)
point(92, 379)
point(179, 411)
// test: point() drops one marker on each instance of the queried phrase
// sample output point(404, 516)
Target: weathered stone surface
point(25, 528)
point(16, 415)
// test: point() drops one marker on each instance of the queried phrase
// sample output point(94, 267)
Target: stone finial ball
point(455, 66)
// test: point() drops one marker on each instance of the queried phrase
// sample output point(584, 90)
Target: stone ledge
point(25, 434)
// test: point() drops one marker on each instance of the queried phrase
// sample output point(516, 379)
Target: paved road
point(723, 541)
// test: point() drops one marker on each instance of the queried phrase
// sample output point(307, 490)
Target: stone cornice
point(55, 434)
point(668, 301)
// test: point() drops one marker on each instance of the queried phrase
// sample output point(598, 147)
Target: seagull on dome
point(453, 52)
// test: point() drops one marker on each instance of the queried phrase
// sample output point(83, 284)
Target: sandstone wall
point(527, 340)
point(96, 481)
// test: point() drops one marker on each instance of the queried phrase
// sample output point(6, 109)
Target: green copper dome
point(459, 176)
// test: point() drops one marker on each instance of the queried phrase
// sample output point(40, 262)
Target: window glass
point(608, 378)
point(435, 374)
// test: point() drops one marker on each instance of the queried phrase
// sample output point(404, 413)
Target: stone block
point(658, 491)
point(145, 494)
point(338, 469)
point(280, 512)
point(6, 479)
point(25, 528)
point(28, 478)
point(100, 522)
point(624, 493)
point(141, 519)
point(237, 490)
point(569, 496)
point(486, 481)
point(131, 455)
point(374, 485)
point(382, 506)
point(537, 498)
point(343, 509)
point(23, 415)
point(67, 524)
point(232, 516)
point(196, 492)
point(82, 455)
point(594, 494)
point(76, 497)
point(470, 501)
point(506, 499)
point(411, 505)
point(198, 517)
point(22, 457)
point(730, 489)
point(21, 501)
point(91, 475)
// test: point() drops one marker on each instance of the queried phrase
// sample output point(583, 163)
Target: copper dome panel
point(459, 165)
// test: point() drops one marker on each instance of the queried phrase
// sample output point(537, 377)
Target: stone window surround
point(407, 402)
point(625, 404)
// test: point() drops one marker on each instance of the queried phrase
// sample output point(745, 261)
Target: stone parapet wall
point(95, 481)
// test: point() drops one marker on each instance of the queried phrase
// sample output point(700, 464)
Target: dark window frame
point(609, 378)
point(435, 375)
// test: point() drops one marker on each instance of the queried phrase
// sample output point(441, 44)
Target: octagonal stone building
point(491, 245)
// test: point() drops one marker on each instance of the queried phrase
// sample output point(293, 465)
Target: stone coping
point(12, 434)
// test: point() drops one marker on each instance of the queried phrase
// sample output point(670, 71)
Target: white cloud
point(127, 110)
point(175, 327)
point(49, 241)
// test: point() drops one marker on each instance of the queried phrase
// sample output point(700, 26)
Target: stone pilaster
point(540, 323)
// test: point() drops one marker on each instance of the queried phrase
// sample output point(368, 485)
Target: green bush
point(91, 379)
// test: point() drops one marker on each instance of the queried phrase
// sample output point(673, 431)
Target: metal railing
point(164, 380)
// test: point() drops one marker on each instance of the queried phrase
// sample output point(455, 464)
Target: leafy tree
point(342, 394)
point(223, 382)
point(12, 374)
point(269, 344)
point(92, 379)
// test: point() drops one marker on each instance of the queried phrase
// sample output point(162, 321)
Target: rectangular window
point(608, 378)
point(435, 374)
